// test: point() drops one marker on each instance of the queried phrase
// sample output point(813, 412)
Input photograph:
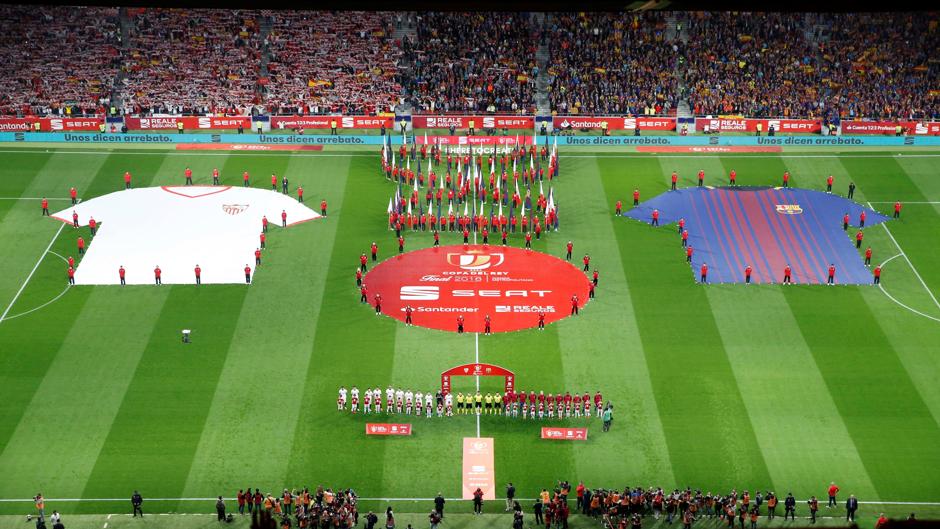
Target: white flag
point(389, 205)
point(551, 199)
point(466, 207)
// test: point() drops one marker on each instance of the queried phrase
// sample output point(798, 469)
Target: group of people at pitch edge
point(511, 403)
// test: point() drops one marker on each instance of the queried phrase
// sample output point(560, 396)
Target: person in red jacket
point(245, 179)
point(733, 177)
point(408, 312)
point(121, 273)
point(362, 263)
point(401, 244)
point(655, 220)
point(358, 277)
point(868, 255)
point(528, 241)
point(273, 182)
point(73, 194)
point(701, 177)
point(574, 305)
point(587, 262)
point(786, 275)
point(688, 253)
point(247, 274)
point(71, 261)
point(323, 207)
point(156, 275)
point(300, 193)
point(833, 488)
point(81, 246)
point(189, 176)
point(45, 207)
point(858, 239)
point(845, 222)
point(618, 207)
point(215, 176)
point(262, 237)
point(283, 216)
point(198, 272)
point(378, 304)
point(747, 275)
point(74, 219)
point(681, 226)
point(897, 209)
point(363, 294)
point(460, 324)
point(861, 219)
point(264, 224)
point(675, 178)
point(877, 273)
point(829, 184)
point(703, 277)
point(127, 180)
point(594, 277)
point(541, 321)
point(437, 238)
point(636, 197)
point(71, 272)
point(538, 230)
point(786, 179)
point(93, 226)
point(831, 278)
point(375, 251)
point(257, 256)
point(569, 247)
point(685, 237)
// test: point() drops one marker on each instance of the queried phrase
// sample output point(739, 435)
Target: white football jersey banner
point(178, 227)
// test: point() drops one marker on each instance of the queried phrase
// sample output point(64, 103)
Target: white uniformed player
point(354, 400)
point(389, 399)
point(449, 404)
point(419, 403)
point(409, 402)
point(376, 400)
point(399, 400)
point(428, 406)
point(341, 401)
point(367, 401)
point(354, 392)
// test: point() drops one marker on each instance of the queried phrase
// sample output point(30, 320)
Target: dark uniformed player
point(136, 502)
point(284, 184)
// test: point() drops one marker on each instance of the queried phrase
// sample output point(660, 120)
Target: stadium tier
point(197, 61)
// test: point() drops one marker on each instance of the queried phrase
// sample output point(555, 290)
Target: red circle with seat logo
point(511, 285)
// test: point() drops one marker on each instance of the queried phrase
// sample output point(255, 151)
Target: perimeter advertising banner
point(325, 122)
point(614, 123)
point(478, 122)
point(189, 122)
point(50, 124)
point(750, 125)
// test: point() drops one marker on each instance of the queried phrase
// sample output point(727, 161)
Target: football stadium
point(633, 267)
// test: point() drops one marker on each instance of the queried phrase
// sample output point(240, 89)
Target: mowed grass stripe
point(19, 178)
point(275, 328)
point(162, 414)
point(612, 362)
point(350, 345)
point(688, 365)
point(867, 380)
point(27, 355)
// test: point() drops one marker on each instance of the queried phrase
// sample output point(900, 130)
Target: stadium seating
point(611, 63)
point(57, 60)
point(472, 62)
point(332, 63)
point(191, 61)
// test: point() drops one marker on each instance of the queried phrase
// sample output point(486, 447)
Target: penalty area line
point(31, 272)
point(892, 298)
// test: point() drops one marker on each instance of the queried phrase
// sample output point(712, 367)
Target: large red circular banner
point(510, 285)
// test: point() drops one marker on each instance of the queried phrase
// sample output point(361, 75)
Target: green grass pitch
point(715, 387)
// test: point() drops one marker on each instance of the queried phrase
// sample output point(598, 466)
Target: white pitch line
point(32, 198)
point(33, 271)
point(916, 273)
point(293, 154)
point(892, 298)
point(747, 155)
point(906, 203)
point(31, 500)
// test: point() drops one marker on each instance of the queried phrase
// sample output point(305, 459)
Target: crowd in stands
point(191, 61)
point(611, 63)
point(70, 61)
point(472, 62)
point(57, 60)
point(324, 63)
point(777, 65)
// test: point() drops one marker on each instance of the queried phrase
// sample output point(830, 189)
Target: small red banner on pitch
point(387, 429)
point(565, 434)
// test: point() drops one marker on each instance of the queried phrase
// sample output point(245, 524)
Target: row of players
point(511, 403)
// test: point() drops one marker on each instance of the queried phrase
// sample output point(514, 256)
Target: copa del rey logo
point(789, 209)
point(475, 260)
point(234, 209)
